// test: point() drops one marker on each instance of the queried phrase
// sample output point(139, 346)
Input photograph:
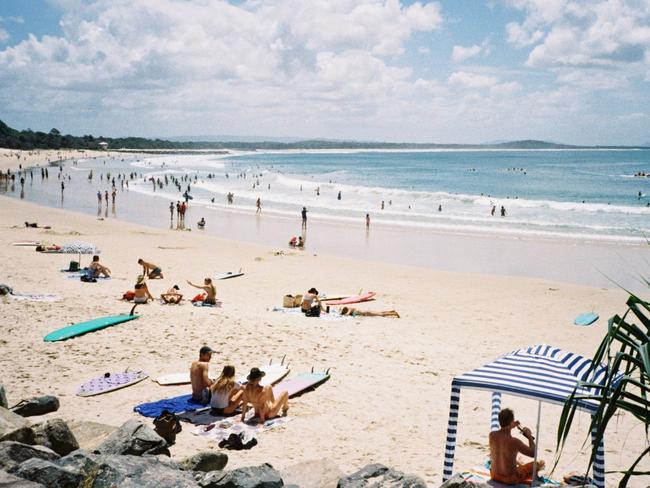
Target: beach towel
point(203, 416)
point(331, 315)
point(481, 474)
point(183, 403)
point(35, 298)
point(77, 275)
point(224, 428)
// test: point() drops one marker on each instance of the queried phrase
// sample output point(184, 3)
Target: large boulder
point(205, 461)
point(56, 435)
point(137, 472)
point(135, 438)
point(380, 475)
point(319, 473)
point(3, 397)
point(14, 453)
point(11, 481)
point(80, 461)
point(14, 427)
point(37, 406)
point(458, 481)
point(48, 473)
point(89, 435)
point(262, 476)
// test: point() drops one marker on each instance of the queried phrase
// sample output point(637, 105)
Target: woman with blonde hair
point(226, 392)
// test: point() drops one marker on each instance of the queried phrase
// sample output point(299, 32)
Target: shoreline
point(451, 322)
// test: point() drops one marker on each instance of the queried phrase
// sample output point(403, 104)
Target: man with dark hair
point(504, 449)
point(199, 377)
point(96, 268)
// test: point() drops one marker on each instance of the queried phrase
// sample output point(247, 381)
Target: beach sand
point(388, 397)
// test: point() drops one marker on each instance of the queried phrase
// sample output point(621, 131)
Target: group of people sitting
point(225, 394)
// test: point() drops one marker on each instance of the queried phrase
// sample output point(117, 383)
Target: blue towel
point(183, 403)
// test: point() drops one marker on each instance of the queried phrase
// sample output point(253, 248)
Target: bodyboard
point(110, 382)
point(586, 318)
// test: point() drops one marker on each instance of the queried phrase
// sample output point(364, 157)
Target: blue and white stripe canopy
point(540, 372)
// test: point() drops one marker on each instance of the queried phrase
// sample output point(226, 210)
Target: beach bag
point(199, 298)
point(167, 425)
point(88, 279)
point(288, 301)
point(73, 266)
point(129, 295)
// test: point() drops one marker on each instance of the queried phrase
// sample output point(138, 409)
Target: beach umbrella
point(541, 372)
point(79, 247)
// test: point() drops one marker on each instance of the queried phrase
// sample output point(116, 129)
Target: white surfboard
point(274, 373)
point(178, 378)
point(227, 275)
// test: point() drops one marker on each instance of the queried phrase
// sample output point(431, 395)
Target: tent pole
point(496, 408)
point(450, 446)
point(539, 415)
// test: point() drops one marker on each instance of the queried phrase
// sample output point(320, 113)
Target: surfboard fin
point(132, 312)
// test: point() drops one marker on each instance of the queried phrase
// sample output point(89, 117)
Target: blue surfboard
point(81, 328)
point(586, 319)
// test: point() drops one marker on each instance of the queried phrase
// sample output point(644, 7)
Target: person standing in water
point(503, 211)
point(339, 196)
point(367, 221)
point(259, 206)
point(171, 211)
point(304, 217)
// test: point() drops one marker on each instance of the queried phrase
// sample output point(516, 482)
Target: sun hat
point(255, 374)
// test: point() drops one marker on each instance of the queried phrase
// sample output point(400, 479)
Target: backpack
point(167, 425)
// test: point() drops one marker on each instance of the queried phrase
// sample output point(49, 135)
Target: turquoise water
point(577, 193)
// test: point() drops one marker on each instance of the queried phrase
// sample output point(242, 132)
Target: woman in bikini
point(226, 392)
point(355, 312)
point(262, 398)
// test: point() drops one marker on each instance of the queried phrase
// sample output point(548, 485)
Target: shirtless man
point(262, 399)
point(209, 289)
point(199, 378)
point(173, 295)
point(150, 270)
point(97, 268)
point(504, 449)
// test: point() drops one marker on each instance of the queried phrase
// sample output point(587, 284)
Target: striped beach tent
point(543, 373)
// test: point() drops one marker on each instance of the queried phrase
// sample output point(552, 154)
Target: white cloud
point(4, 35)
point(521, 36)
point(460, 53)
point(424, 50)
point(472, 80)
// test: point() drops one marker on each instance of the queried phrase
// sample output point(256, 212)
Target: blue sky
point(574, 71)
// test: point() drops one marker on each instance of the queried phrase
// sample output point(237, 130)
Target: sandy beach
point(388, 397)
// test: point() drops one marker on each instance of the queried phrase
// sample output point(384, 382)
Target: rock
point(37, 406)
point(457, 481)
point(80, 461)
point(262, 476)
point(56, 435)
point(14, 427)
point(137, 472)
point(3, 397)
point(89, 435)
point(205, 461)
point(48, 474)
point(320, 473)
point(380, 475)
point(14, 453)
point(135, 438)
point(11, 481)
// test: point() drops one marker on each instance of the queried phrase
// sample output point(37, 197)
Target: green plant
point(625, 351)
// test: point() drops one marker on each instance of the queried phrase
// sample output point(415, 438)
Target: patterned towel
point(232, 425)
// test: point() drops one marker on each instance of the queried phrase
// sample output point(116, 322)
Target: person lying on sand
point(199, 378)
point(355, 312)
point(311, 305)
point(97, 268)
point(226, 392)
point(209, 289)
point(173, 295)
point(504, 449)
point(262, 398)
point(142, 293)
point(150, 270)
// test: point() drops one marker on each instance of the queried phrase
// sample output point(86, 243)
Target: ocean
point(590, 194)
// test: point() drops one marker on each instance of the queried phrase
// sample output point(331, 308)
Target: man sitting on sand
point(173, 295)
point(96, 268)
point(504, 449)
point(150, 270)
point(199, 378)
point(355, 312)
point(262, 398)
point(310, 305)
point(209, 289)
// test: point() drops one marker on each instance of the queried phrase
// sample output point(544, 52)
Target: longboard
point(228, 275)
point(274, 373)
point(110, 382)
point(178, 378)
point(25, 243)
point(301, 383)
point(81, 328)
point(585, 319)
point(355, 299)
point(334, 296)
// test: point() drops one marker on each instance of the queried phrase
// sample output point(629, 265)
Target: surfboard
point(274, 373)
point(81, 328)
point(334, 296)
point(179, 378)
point(299, 384)
point(355, 299)
point(228, 275)
point(25, 243)
point(586, 318)
point(110, 382)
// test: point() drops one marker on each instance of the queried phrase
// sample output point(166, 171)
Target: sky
point(449, 71)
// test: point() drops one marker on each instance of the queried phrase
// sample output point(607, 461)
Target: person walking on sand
point(304, 217)
point(259, 206)
point(150, 270)
point(504, 450)
point(209, 289)
point(367, 221)
point(199, 376)
point(113, 193)
point(262, 398)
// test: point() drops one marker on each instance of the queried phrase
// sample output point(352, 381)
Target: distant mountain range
point(28, 139)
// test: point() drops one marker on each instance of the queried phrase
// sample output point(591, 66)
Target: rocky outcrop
point(134, 438)
point(14, 427)
point(11, 481)
point(205, 461)
point(48, 473)
point(3, 397)
point(374, 475)
point(263, 476)
point(56, 435)
point(12, 454)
